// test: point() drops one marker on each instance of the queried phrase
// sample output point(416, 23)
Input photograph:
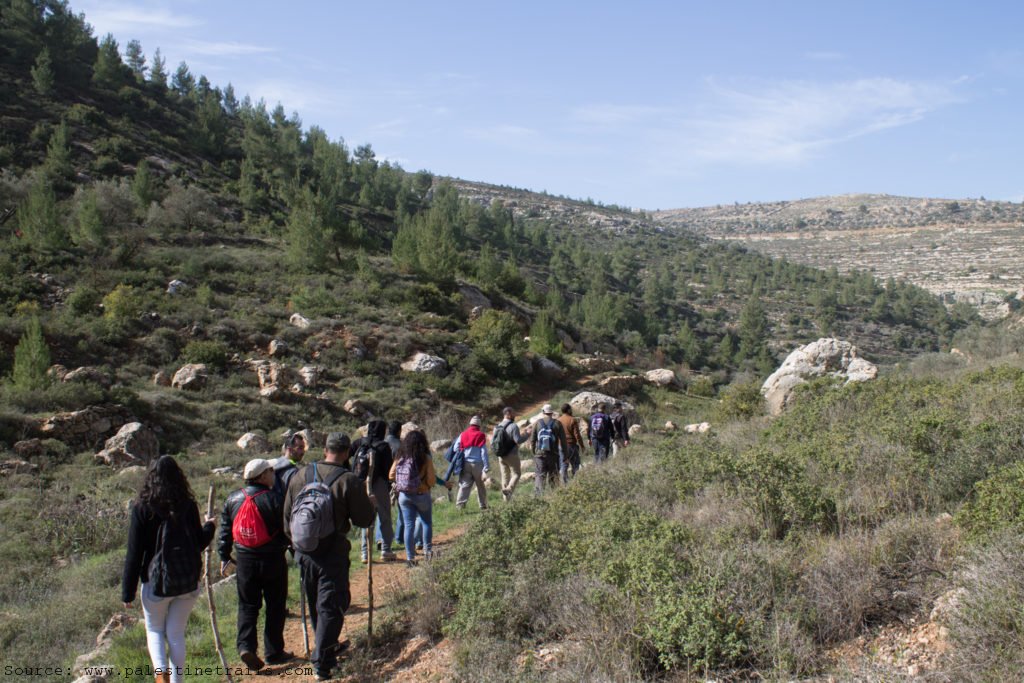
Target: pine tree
point(57, 166)
point(142, 184)
point(183, 82)
point(158, 72)
point(31, 358)
point(42, 73)
point(135, 59)
point(89, 228)
point(39, 217)
point(108, 69)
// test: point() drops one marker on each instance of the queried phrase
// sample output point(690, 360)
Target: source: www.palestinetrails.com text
point(146, 671)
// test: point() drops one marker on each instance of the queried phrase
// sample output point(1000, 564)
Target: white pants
point(165, 629)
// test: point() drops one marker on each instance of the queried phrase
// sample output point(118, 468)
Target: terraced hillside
point(962, 250)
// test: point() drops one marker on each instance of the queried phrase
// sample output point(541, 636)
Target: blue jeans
point(400, 530)
point(417, 506)
point(569, 461)
point(601, 449)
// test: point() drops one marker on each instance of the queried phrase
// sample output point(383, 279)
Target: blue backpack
point(546, 436)
point(598, 426)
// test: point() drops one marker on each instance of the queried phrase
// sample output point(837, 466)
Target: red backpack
point(249, 529)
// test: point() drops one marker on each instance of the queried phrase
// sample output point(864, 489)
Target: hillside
point(180, 257)
point(961, 250)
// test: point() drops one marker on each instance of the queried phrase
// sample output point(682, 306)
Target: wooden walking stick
point(369, 588)
point(302, 610)
point(209, 595)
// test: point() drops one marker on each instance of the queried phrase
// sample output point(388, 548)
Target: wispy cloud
point(224, 49)
point(790, 122)
point(605, 115)
point(123, 17)
point(503, 133)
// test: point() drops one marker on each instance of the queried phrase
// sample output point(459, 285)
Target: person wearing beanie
point(476, 468)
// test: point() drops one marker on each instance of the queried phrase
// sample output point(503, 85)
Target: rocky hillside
point(961, 250)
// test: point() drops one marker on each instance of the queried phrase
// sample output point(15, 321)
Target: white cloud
point(123, 18)
point(224, 49)
point(503, 133)
point(605, 115)
point(791, 122)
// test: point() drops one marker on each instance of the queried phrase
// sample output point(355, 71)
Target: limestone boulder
point(662, 377)
point(88, 375)
point(162, 378)
point(547, 368)
point(474, 301)
point(568, 343)
point(29, 448)
point(176, 287)
point(298, 320)
point(585, 403)
point(134, 444)
point(440, 445)
point(595, 363)
point(9, 467)
point(425, 363)
point(670, 426)
point(253, 442)
point(408, 427)
point(86, 428)
point(310, 376)
point(620, 384)
point(635, 430)
point(699, 428)
point(277, 348)
point(825, 357)
point(191, 377)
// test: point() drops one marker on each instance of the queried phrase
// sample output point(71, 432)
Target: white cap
point(476, 421)
point(254, 468)
point(547, 409)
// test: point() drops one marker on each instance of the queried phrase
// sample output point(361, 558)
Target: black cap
point(338, 442)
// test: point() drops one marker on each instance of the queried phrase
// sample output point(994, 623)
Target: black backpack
point(176, 565)
point(502, 442)
point(361, 460)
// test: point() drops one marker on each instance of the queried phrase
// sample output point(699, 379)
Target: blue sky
point(646, 104)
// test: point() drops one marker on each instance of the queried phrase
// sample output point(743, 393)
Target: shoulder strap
point(334, 476)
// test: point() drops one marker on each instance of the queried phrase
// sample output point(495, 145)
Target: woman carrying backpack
point(165, 543)
point(413, 475)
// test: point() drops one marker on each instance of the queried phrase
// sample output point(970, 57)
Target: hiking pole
point(209, 594)
point(369, 589)
point(302, 611)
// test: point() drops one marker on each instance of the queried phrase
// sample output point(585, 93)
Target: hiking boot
point(506, 495)
point(419, 546)
point(323, 675)
point(388, 556)
point(281, 658)
point(410, 563)
point(251, 660)
point(362, 558)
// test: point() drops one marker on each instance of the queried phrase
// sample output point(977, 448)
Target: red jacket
point(472, 437)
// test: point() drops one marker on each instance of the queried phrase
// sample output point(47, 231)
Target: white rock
point(277, 348)
point(635, 430)
point(661, 377)
point(253, 442)
point(310, 375)
point(133, 444)
point(299, 321)
point(191, 377)
point(176, 287)
point(699, 428)
point(827, 356)
point(425, 363)
point(670, 426)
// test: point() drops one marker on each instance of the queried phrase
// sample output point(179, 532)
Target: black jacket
point(271, 507)
point(142, 534)
point(382, 458)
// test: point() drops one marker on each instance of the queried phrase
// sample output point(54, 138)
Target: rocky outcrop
point(134, 444)
point(425, 363)
point(8, 467)
point(88, 374)
point(474, 300)
point(88, 427)
point(620, 384)
point(661, 377)
point(596, 363)
point(310, 376)
point(825, 357)
point(547, 368)
point(191, 377)
point(253, 442)
point(277, 348)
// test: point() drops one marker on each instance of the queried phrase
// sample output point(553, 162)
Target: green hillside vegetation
point(121, 174)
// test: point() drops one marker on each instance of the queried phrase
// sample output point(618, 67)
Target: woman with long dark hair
point(413, 474)
point(165, 543)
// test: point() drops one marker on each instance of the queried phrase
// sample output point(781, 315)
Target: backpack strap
point(334, 476)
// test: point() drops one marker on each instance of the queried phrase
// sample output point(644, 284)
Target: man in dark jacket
point(253, 530)
point(620, 429)
point(378, 488)
point(547, 441)
point(288, 464)
point(324, 571)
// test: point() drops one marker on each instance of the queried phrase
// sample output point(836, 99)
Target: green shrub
point(996, 505)
point(122, 303)
point(213, 353)
point(740, 402)
point(498, 342)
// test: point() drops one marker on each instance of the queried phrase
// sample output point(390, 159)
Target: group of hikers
point(308, 510)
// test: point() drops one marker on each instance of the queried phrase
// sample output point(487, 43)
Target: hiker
point(165, 542)
point(371, 462)
point(394, 439)
point(599, 433)
point(288, 464)
point(546, 441)
point(471, 446)
point(620, 429)
point(505, 443)
point(250, 523)
point(318, 525)
point(574, 444)
point(413, 476)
